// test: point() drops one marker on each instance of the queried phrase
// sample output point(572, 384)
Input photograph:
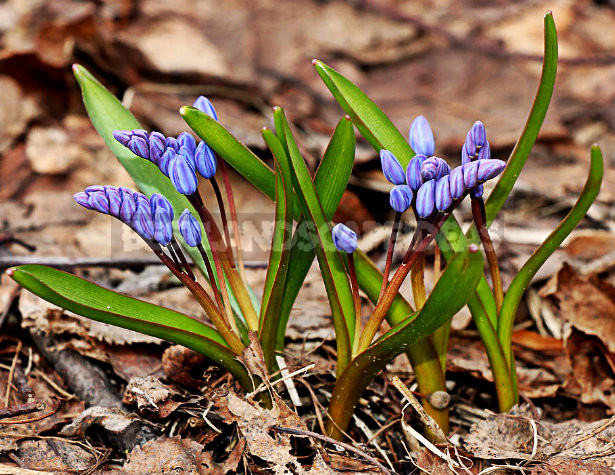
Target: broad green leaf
point(534, 263)
point(451, 293)
point(373, 124)
point(330, 181)
point(524, 145)
point(329, 259)
point(92, 301)
point(278, 266)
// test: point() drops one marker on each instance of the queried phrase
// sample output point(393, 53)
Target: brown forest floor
point(85, 405)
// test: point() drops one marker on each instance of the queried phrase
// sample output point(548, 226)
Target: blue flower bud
point(485, 152)
point(98, 201)
point(138, 146)
point(115, 200)
point(82, 198)
point(125, 191)
point(162, 212)
point(421, 137)
point(479, 136)
point(94, 188)
point(140, 199)
point(189, 228)
point(434, 168)
point(470, 177)
point(156, 147)
point(413, 172)
point(164, 161)
point(159, 202)
point(186, 140)
point(400, 198)
point(188, 155)
point(488, 169)
point(127, 208)
point(171, 142)
point(204, 105)
point(392, 169)
point(470, 146)
point(425, 199)
point(142, 221)
point(456, 184)
point(122, 136)
point(344, 238)
point(465, 158)
point(182, 175)
point(140, 133)
point(442, 193)
point(205, 160)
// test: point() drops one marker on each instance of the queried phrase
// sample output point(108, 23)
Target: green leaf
point(278, 265)
point(330, 181)
point(524, 145)
point(329, 259)
point(373, 124)
point(451, 293)
point(534, 263)
point(92, 301)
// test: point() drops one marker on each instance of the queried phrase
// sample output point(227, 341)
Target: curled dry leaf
point(149, 394)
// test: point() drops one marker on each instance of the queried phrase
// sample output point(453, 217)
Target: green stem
point(390, 249)
point(352, 273)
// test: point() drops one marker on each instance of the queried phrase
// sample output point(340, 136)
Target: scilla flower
point(400, 198)
point(205, 160)
point(344, 238)
point(189, 228)
point(149, 146)
point(392, 169)
point(204, 105)
point(421, 137)
point(182, 174)
point(413, 172)
point(162, 213)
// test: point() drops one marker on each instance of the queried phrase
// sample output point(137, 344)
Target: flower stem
point(478, 213)
point(390, 250)
point(178, 251)
point(233, 212)
point(227, 236)
point(204, 300)
point(357, 302)
point(383, 305)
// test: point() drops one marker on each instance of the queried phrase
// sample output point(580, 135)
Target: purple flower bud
point(204, 105)
point(188, 156)
point(125, 191)
point(470, 146)
point(392, 169)
point(171, 142)
point(190, 229)
point(434, 168)
point(138, 146)
point(479, 136)
point(470, 177)
point(128, 207)
point(115, 200)
point(94, 188)
point(186, 140)
point(477, 192)
point(485, 152)
point(205, 160)
point(98, 202)
point(164, 161)
point(82, 198)
point(425, 199)
point(140, 133)
point(122, 136)
point(142, 221)
point(465, 158)
point(488, 169)
point(456, 184)
point(442, 193)
point(162, 212)
point(182, 175)
point(421, 137)
point(413, 172)
point(140, 199)
point(344, 238)
point(156, 147)
point(400, 198)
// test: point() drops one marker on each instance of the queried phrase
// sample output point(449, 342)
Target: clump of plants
point(170, 215)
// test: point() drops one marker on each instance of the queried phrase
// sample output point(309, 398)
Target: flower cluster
point(177, 158)
point(428, 183)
